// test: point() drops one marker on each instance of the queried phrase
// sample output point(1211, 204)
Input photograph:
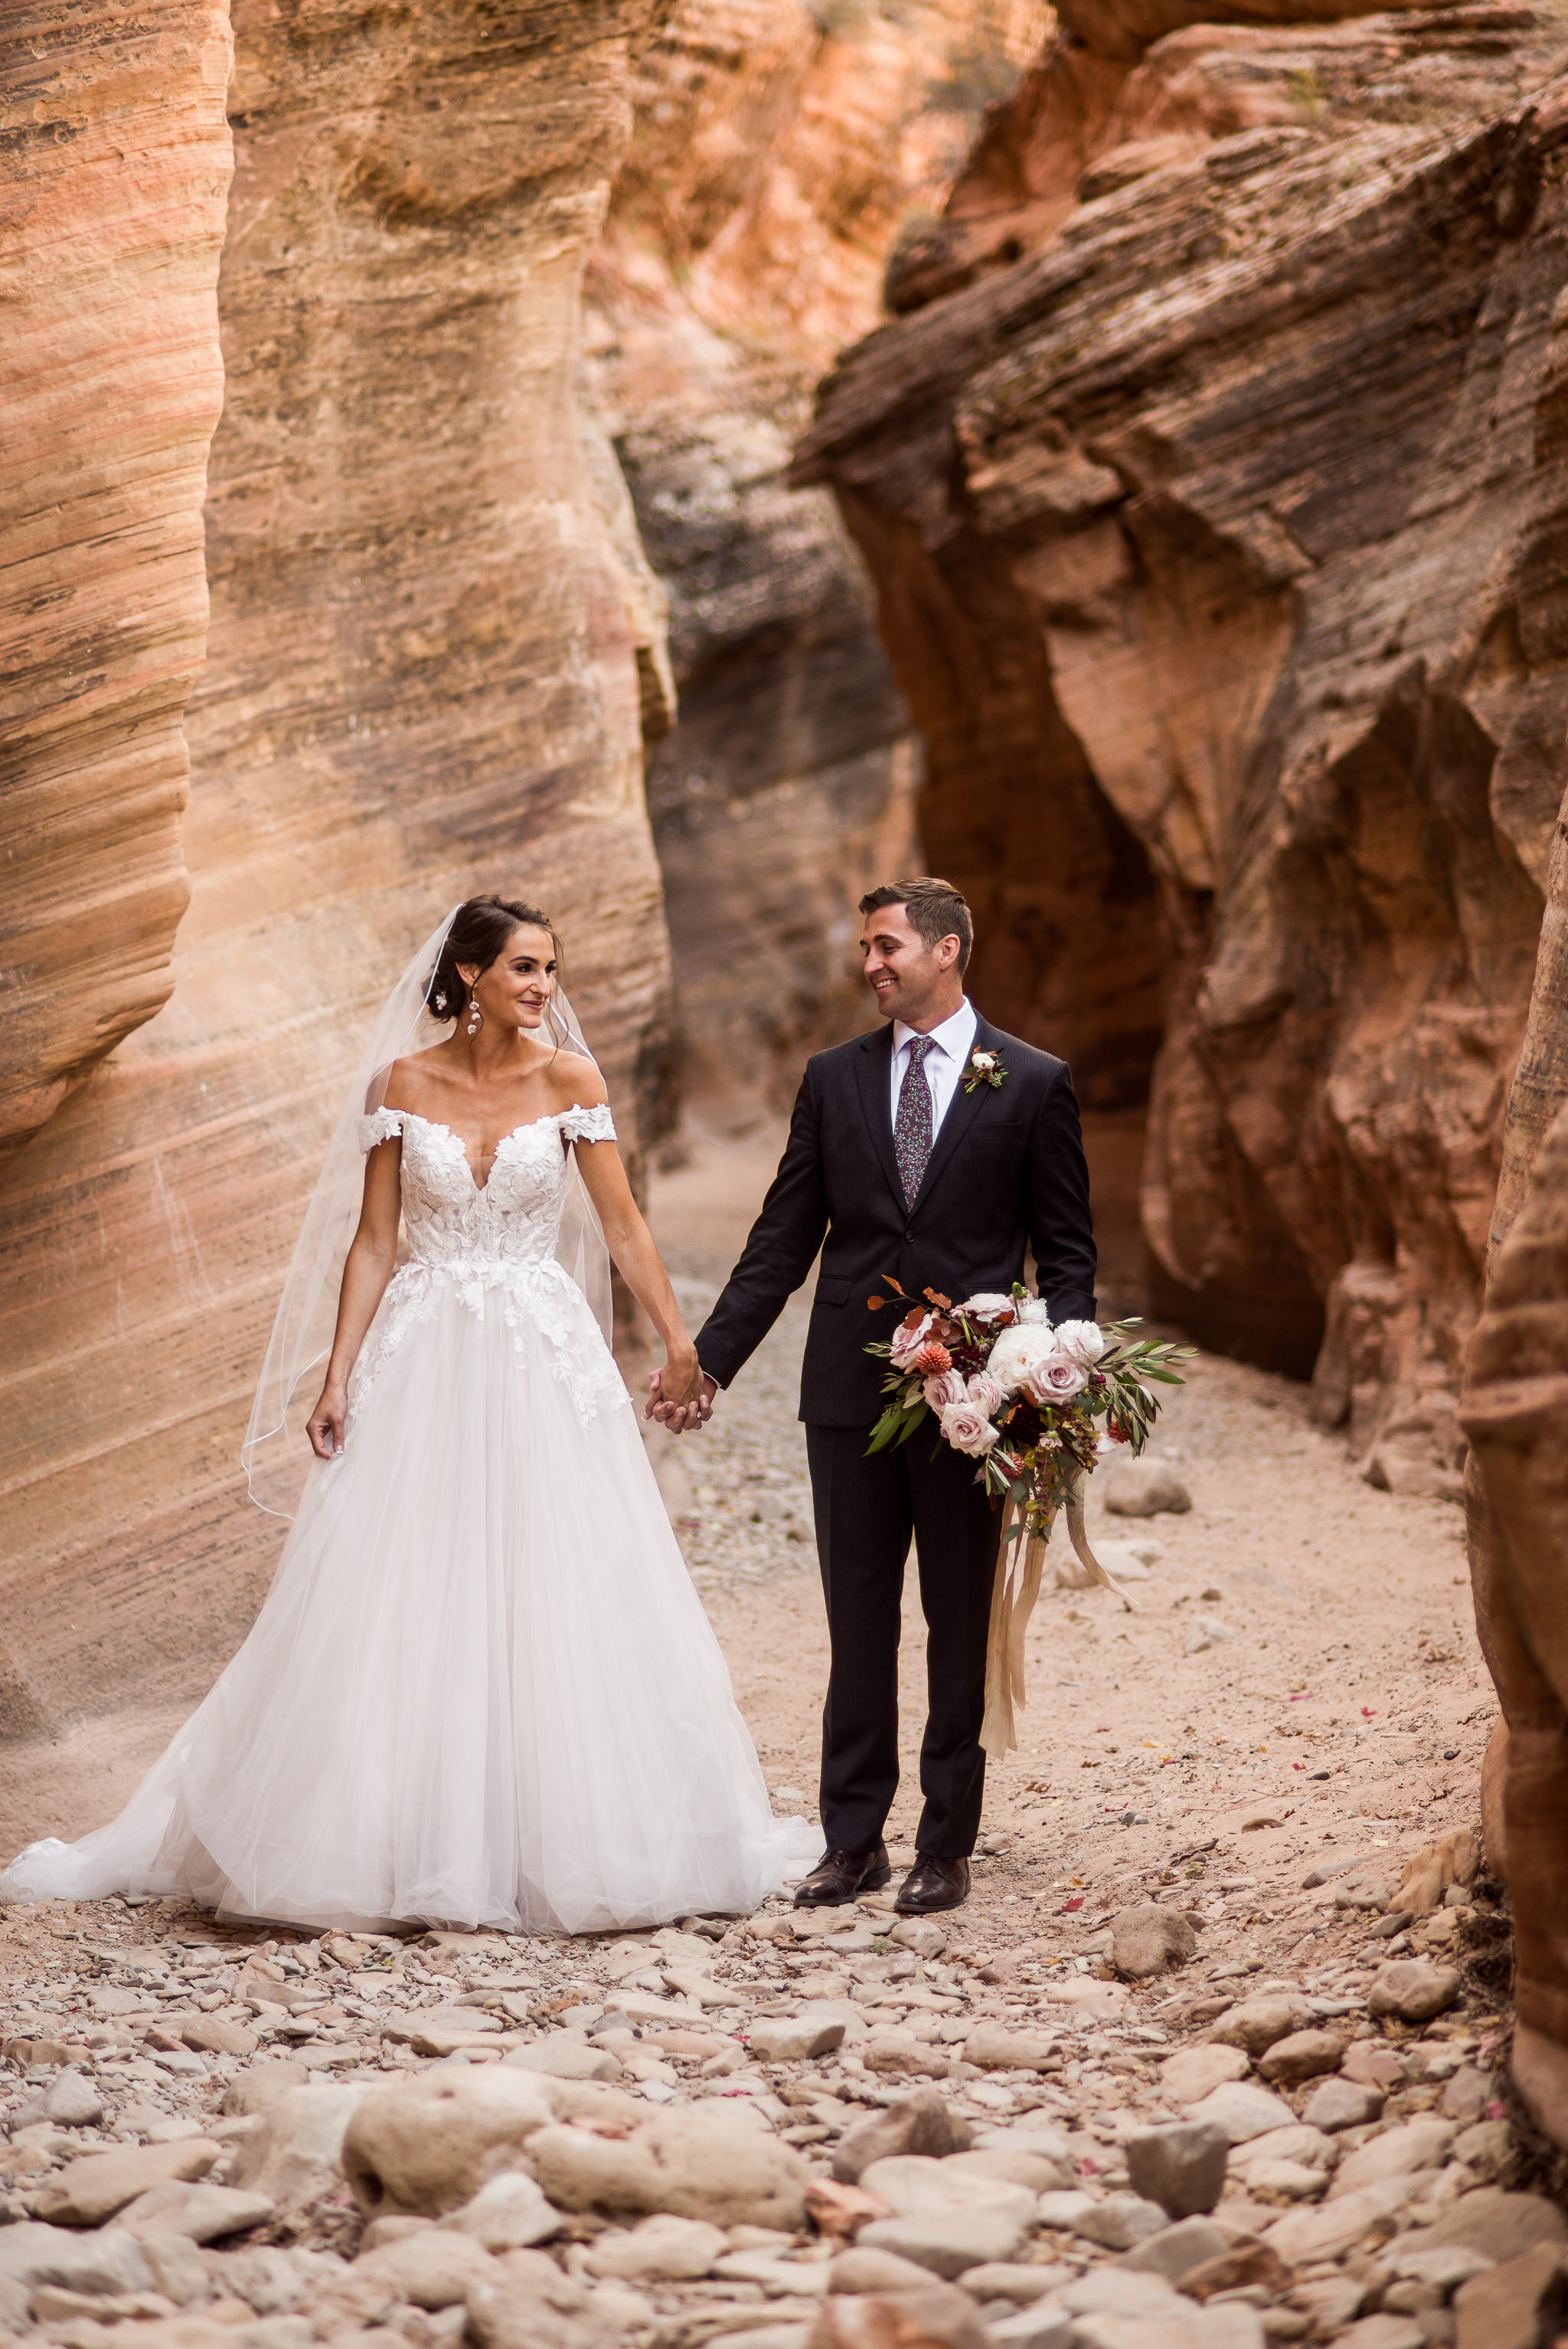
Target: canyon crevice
point(1212, 479)
point(432, 647)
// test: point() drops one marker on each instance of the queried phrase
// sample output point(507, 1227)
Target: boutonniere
point(984, 1068)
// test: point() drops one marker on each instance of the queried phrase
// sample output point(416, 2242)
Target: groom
point(902, 1159)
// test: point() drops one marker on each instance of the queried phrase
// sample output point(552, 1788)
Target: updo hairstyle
point(478, 933)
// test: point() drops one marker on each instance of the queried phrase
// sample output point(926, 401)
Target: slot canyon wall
point(777, 154)
point(431, 649)
point(1211, 476)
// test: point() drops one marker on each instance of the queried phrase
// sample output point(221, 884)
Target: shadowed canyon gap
point(430, 631)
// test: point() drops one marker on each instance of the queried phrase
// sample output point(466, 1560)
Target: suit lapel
point(873, 1073)
point(962, 1111)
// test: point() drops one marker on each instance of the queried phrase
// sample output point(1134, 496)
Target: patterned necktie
point(911, 1128)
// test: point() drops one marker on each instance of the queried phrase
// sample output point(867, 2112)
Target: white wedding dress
point(482, 1690)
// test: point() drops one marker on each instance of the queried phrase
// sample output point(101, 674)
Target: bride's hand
point(680, 1379)
point(324, 1425)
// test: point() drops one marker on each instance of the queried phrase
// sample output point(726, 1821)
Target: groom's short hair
point(936, 908)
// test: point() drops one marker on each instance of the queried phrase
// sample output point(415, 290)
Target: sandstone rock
point(214, 2034)
point(533, 2305)
point(1374, 2065)
point(1421, 2144)
point(1037, 2163)
point(921, 1934)
point(1121, 2221)
point(1330, 2229)
point(1176, 2250)
point(935, 2317)
point(1452, 1859)
point(661, 2250)
point(293, 2157)
point(88, 2191)
point(1012, 2279)
point(1064, 2209)
point(864, 2270)
point(1466, 2095)
point(1145, 1939)
point(697, 2164)
point(1142, 1489)
point(1483, 2147)
point(435, 2268)
point(839, 2211)
point(1342, 2104)
point(996, 2048)
point(70, 2101)
point(563, 2056)
point(920, 2123)
point(1254, 2024)
point(1502, 2225)
point(177, 2268)
point(948, 2238)
point(1193, 2072)
point(1413, 1989)
point(32, 2252)
point(1300, 2144)
point(200, 2214)
point(1040, 2327)
point(900, 2055)
point(430, 2144)
point(1513, 2306)
point(794, 2039)
point(1242, 2110)
point(263, 2085)
point(508, 2213)
point(1300, 2056)
point(1180, 2167)
point(910, 2183)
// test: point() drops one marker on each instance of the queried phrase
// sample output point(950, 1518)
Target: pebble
point(1142, 1489)
point(949, 2238)
point(1300, 2056)
point(1242, 2110)
point(1412, 1989)
point(786, 2039)
point(1174, 2251)
point(1342, 2104)
point(562, 2056)
point(1194, 2072)
point(1255, 2024)
point(1180, 2167)
point(1146, 1939)
point(89, 2190)
point(662, 2250)
point(995, 2048)
point(922, 2122)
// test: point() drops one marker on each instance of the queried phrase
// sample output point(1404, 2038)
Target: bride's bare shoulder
point(575, 1082)
point(409, 1083)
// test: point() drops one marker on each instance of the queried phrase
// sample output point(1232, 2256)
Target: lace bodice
point(497, 1236)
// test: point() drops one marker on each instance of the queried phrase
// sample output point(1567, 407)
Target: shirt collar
point(954, 1037)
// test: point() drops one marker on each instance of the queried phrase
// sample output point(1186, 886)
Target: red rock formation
point(1214, 539)
point(112, 180)
point(426, 659)
point(776, 153)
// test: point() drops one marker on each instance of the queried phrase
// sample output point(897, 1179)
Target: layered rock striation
point(777, 155)
point(429, 650)
point(1212, 482)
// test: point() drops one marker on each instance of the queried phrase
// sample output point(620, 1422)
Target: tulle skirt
point(482, 1690)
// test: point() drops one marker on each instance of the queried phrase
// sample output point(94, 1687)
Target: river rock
point(1142, 1489)
point(937, 2316)
point(662, 2250)
point(996, 2048)
point(434, 2268)
point(1300, 2056)
point(33, 2252)
point(794, 2039)
point(1121, 2221)
point(1181, 2167)
point(508, 2213)
point(1412, 1989)
point(1242, 2110)
point(199, 2213)
point(948, 2238)
point(1176, 2250)
point(921, 2123)
point(1421, 2144)
point(294, 2154)
point(529, 2304)
point(88, 2191)
point(562, 2055)
point(1514, 2306)
point(1036, 2163)
point(1502, 2225)
point(263, 2085)
point(70, 2101)
point(863, 2269)
point(695, 2163)
point(1328, 2230)
point(908, 2183)
point(899, 2054)
point(1254, 2024)
point(429, 2145)
point(215, 2035)
point(1342, 2104)
point(1147, 1938)
point(1193, 2072)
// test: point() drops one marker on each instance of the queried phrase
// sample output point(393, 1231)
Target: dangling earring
point(476, 1016)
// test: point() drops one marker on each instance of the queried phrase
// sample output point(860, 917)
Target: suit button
point(909, 1236)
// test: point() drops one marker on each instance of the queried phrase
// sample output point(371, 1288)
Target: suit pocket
point(832, 1288)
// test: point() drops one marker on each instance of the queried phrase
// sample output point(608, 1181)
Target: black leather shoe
point(933, 1884)
point(839, 1876)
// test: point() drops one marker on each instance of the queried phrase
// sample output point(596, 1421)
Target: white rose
point(1084, 1341)
point(1035, 1310)
point(1016, 1351)
point(968, 1428)
point(986, 1305)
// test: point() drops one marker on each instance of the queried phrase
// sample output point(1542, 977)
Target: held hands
point(324, 1425)
point(680, 1395)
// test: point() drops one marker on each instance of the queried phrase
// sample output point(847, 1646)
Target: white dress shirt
point(951, 1045)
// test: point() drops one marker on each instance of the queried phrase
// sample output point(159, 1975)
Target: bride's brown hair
point(481, 928)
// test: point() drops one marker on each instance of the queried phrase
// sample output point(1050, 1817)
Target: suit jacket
point(1006, 1173)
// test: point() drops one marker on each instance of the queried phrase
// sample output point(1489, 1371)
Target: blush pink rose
point(907, 1341)
point(1056, 1379)
point(986, 1394)
point(988, 1305)
point(968, 1428)
point(944, 1387)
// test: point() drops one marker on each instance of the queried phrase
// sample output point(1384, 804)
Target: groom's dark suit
point(1006, 1173)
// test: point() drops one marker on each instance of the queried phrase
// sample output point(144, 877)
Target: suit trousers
point(866, 1510)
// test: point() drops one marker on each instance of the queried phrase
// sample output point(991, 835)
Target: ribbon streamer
point(1012, 1595)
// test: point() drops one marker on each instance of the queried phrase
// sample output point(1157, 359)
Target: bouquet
point(1035, 1405)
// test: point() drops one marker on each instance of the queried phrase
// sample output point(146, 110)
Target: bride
point(482, 1690)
